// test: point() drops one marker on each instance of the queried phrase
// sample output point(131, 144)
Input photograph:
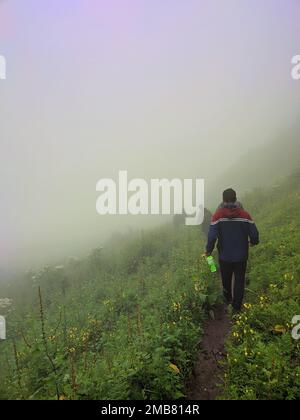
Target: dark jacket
point(232, 227)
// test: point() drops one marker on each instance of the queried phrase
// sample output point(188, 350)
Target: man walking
point(232, 227)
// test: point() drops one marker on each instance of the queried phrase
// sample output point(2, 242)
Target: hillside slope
point(263, 166)
point(125, 322)
point(263, 357)
point(121, 324)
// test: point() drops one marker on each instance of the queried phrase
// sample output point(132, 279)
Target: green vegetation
point(263, 358)
point(124, 323)
point(121, 324)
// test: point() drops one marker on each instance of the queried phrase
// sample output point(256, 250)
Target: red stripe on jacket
point(230, 213)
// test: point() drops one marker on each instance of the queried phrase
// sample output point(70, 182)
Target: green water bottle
point(212, 264)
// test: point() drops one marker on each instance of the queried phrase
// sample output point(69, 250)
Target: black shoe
point(235, 310)
point(227, 299)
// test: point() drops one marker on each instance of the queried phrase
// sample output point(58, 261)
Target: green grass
point(124, 323)
point(263, 358)
point(121, 324)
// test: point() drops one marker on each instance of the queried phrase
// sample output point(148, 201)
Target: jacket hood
point(231, 210)
point(236, 205)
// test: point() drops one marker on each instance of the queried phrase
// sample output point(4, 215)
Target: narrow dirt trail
point(205, 379)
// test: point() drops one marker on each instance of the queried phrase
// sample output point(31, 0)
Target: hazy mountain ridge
point(260, 167)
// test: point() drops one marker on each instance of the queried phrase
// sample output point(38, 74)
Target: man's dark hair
point(229, 196)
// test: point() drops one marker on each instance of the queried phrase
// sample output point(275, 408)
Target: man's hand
point(206, 254)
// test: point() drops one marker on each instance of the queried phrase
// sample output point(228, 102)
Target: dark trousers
point(234, 272)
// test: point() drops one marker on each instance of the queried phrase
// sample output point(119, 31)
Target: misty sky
point(169, 88)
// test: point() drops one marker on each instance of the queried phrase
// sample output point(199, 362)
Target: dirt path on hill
point(207, 373)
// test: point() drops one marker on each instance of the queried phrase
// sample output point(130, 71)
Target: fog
point(160, 89)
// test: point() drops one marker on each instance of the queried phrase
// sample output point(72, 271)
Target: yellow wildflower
point(174, 368)
point(279, 329)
